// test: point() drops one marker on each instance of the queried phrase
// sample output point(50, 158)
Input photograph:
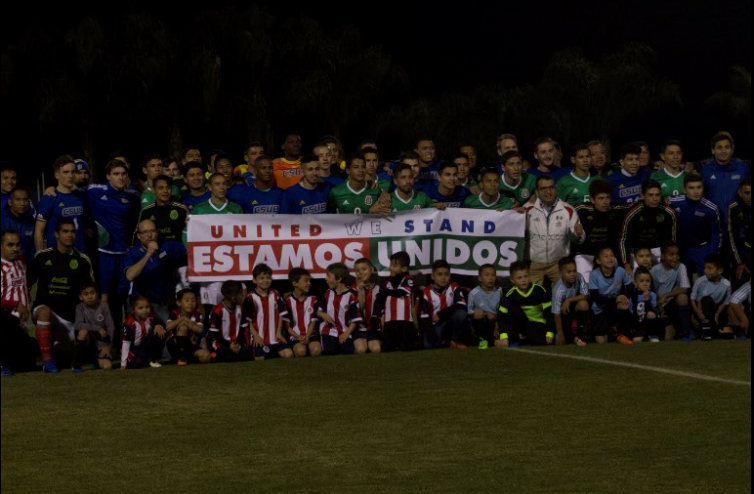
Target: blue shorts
point(693, 258)
point(367, 335)
point(332, 346)
point(110, 272)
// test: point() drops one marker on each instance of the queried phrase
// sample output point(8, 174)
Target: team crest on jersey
point(302, 203)
point(100, 318)
point(368, 200)
point(310, 310)
point(660, 218)
point(417, 207)
point(174, 215)
point(74, 264)
point(524, 194)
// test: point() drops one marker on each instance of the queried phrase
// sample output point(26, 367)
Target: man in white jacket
point(551, 226)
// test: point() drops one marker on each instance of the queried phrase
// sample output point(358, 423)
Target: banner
point(225, 247)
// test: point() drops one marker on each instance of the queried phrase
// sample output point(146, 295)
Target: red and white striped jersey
point(137, 331)
point(399, 308)
point(368, 302)
point(265, 313)
point(227, 326)
point(14, 292)
point(195, 317)
point(301, 313)
point(435, 300)
point(343, 308)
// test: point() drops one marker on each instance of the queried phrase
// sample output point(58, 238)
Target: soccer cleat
point(741, 337)
point(182, 363)
point(155, 365)
point(5, 371)
point(49, 367)
point(459, 346)
point(513, 345)
point(579, 341)
point(77, 370)
point(654, 339)
point(483, 345)
point(624, 340)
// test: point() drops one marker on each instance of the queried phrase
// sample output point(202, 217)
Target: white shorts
point(58, 324)
point(210, 293)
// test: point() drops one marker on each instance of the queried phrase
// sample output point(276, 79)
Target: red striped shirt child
point(228, 336)
point(302, 309)
point(340, 311)
point(267, 313)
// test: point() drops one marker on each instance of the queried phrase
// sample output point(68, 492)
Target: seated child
point(369, 335)
point(228, 335)
point(340, 312)
point(525, 315)
point(483, 307)
point(739, 308)
point(94, 328)
point(185, 327)
point(395, 304)
point(643, 307)
point(709, 298)
point(609, 290)
point(671, 282)
point(302, 309)
point(142, 339)
point(442, 310)
point(570, 304)
point(266, 310)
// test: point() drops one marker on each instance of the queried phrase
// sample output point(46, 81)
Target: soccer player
point(484, 305)
point(446, 189)
point(574, 187)
point(644, 309)
point(600, 164)
point(738, 312)
point(263, 197)
point(267, 313)
point(303, 336)
point(515, 183)
point(153, 168)
point(698, 224)
point(671, 176)
point(340, 312)
point(723, 174)
point(570, 304)
point(81, 175)
point(185, 326)
point(251, 152)
point(142, 340)
point(310, 195)
point(544, 152)
point(610, 288)
point(671, 281)
point(469, 150)
point(626, 183)
point(59, 273)
point(443, 309)
point(404, 197)
point(354, 196)
point(429, 166)
point(368, 337)
point(490, 197)
point(648, 223)
point(396, 304)
point(67, 202)
point(8, 180)
point(287, 169)
point(464, 173)
point(709, 298)
point(195, 182)
point(19, 216)
point(168, 216)
point(739, 228)
point(525, 311)
point(372, 164)
point(95, 330)
point(228, 336)
point(329, 172)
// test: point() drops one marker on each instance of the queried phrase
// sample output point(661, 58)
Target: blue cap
point(81, 165)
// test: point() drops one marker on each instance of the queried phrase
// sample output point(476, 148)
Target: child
point(671, 281)
point(483, 306)
point(609, 290)
point(443, 310)
point(525, 315)
point(142, 339)
point(570, 304)
point(367, 286)
point(302, 312)
point(739, 307)
point(396, 304)
point(228, 336)
point(643, 258)
point(643, 306)
point(709, 298)
point(185, 327)
point(94, 327)
point(340, 311)
point(267, 312)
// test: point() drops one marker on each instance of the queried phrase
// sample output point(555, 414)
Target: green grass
point(436, 422)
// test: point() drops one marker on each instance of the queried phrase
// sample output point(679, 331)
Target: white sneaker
point(654, 339)
point(155, 365)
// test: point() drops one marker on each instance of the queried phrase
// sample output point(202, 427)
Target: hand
point(384, 198)
point(258, 342)
point(329, 320)
point(491, 316)
point(160, 331)
point(235, 348)
point(520, 210)
point(646, 295)
point(379, 208)
point(435, 319)
point(742, 268)
point(343, 338)
point(50, 191)
point(304, 340)
point(152, 248)
point(661, 300)
point(622, 299)
point(475, 190)
point(578, 229)
point(565, 307)
point(23, 312)
point(103, 353)
point(560, 339)
point(440, 207)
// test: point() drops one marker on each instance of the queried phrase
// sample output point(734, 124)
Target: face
point(218, 187)
point(545, 154)
point(513, 168)
point(82, 178)
point(263, 281)
point(712, 272)
point(292, 145)
point(371, 162)
point(449, 178)
point(672, 257)
point(405, 181)
point(147, 232)
point(363, 272)
point(304, 284)
point(723, 151)
point(694, 190)
point(426, 151)
point(602, 203)
point(643, 282)
point(583, 160)
point(311, 172)
point(520, 279)
point(162, 191)
point(332, 282)
point(644, 258)
point(673, 156)
point(463, 168)
point(142, 309)
point(324, 155)
point(264, 170)
point(173, 170)
point(491, 184)
point(599, 159)
point(396, 269)
point(441, 277)
point(569, 273)
point(415, 167)
point(546, 191)
point(19, 202)
point(118, 178)
point(607, 259)
point(334, 151)
point(357, 172)
point(487, 278)
point(66, 176)
point(89, 296)
point(630, 163)
point(252, 154)
point(652, 198)
point(195, 179)
point(507, 145)
point(745, 194)
point(153, 168)
point(8, 181)
point(471, 153)
point(11, 247)
point(66, 236)
point(187, 303)
point(224, 167)
point(644, 156)
point(192, 155)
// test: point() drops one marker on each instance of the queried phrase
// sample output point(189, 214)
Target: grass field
point(432, 422)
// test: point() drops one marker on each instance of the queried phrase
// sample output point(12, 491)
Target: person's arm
point(39, 234)
point(576, 233)
point(133, 272)
point(739, 314)
point(109, 323)
point(80, 320)
point(697, 306)
point(174, 324)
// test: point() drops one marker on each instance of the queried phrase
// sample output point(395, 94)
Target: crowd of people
point(630, 251)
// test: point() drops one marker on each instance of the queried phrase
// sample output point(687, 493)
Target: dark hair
point(599, 253)
point(543, 140)
point(630, 148)
point(87, 285)
point(61, 161)
point(445, 165)
point(113, 164)
point(460, 156)
point(670, 142)
point(261, 269)
point(253, 144)
point(222, 155)
point(64, 221)
point(565, 261)
point(194, 164)
point(519, 266)
point(309, 158)
point(297, 273)
point(487, 266)
point(116, 154)
point(745, 182)
point(370, 150)
point(341, 272)
point(439, 264)
point(600, 186)
point(488, 171)
point(668, 245)
point(9, 231)
point(642, 270)
point(135, 298)
point(231, 289)
point(150, 157)
point(544, 178)
point(19, 189)
point(581, 146)
point(401, 168)
point(209, 180)
point(642, 144)
point(721, 136)
point(183, 292)
point(356, 156)
point(402, 259)
point(7, 166)
point(409, 155)
point(692, 177)
point(649, 184)
point(375, 277)
point(508, 155)
point(716, 260)
point(162, 178)
point(189, 148)
point(425, 138)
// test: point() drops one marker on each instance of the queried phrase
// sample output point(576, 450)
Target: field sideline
point(431, 422)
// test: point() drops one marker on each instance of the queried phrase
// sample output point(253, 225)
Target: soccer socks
point(684, 320)
point(44, 339)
